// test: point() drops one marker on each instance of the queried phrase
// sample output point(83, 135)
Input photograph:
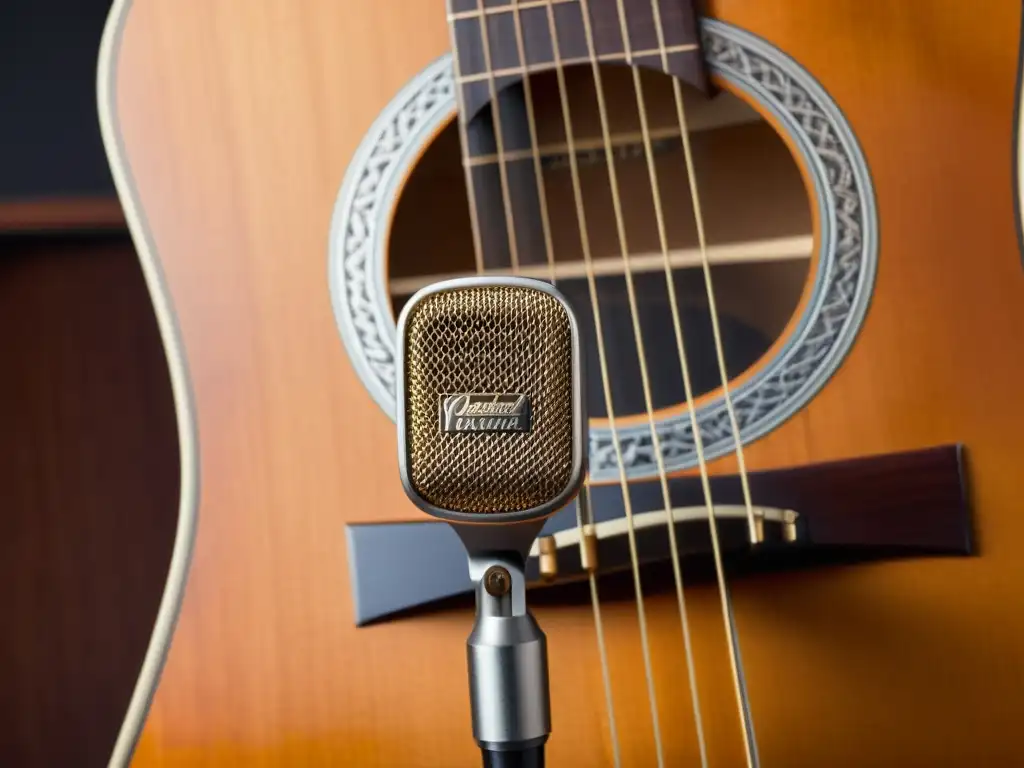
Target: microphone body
point(492, 432)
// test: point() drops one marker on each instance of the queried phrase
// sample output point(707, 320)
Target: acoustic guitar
point(790, 231)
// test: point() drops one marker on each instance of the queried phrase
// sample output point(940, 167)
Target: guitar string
point(641, 354)
point(499, 139)
point(605, 381)
point(478, 256)
point(474, 214)
point(478, 251)
point(735, 662)
point(728, 618)
point(583, 510)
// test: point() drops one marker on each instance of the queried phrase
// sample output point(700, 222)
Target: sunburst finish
point(230, 126)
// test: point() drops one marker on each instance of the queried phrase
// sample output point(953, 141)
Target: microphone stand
point(507, 655)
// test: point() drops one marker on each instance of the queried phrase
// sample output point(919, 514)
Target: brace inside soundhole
point(755, 207)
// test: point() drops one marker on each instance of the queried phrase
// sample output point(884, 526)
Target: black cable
point(530, 757)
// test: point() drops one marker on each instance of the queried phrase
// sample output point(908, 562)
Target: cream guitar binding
point(188, 438)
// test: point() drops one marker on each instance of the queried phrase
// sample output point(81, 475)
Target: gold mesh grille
point(504, 339)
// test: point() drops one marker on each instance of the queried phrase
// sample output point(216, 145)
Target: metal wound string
point(735, 659)
point(499, 140)
point(531, 121)
point(645, 380)
point(474, 214)
point(605, 382)
point(583, 511)
point(582, 502)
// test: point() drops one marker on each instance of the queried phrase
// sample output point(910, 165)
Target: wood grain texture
point(238, 122)
point(88, 468)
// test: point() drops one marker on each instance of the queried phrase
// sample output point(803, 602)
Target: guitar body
point(230, 126)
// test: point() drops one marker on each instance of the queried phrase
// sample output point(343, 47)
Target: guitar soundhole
point(756, 212)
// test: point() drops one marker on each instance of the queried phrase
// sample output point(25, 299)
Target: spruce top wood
point(229, 127)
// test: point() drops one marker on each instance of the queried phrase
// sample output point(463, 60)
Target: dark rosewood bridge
point(896, 505)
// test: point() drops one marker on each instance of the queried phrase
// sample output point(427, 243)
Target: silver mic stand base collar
point(508, 664)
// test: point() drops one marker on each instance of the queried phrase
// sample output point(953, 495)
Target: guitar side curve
point(181, 388)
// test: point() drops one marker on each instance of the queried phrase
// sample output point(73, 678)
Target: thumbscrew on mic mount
point(497, 581)
point(491, 439)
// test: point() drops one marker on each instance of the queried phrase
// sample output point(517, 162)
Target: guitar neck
point(497, 44)
point(660, 34)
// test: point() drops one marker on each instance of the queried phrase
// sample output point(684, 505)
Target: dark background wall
point(88, 448)
point(49, 137)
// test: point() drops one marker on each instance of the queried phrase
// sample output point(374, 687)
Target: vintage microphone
point(491, 438)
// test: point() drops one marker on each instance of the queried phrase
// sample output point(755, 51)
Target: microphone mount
point(506, 651)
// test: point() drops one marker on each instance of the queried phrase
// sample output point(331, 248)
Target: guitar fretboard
point(524, 37)
point(680, 40)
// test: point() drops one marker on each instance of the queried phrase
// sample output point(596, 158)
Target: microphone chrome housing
point(491, 420)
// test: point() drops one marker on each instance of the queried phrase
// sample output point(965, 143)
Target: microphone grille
point(490, 340)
